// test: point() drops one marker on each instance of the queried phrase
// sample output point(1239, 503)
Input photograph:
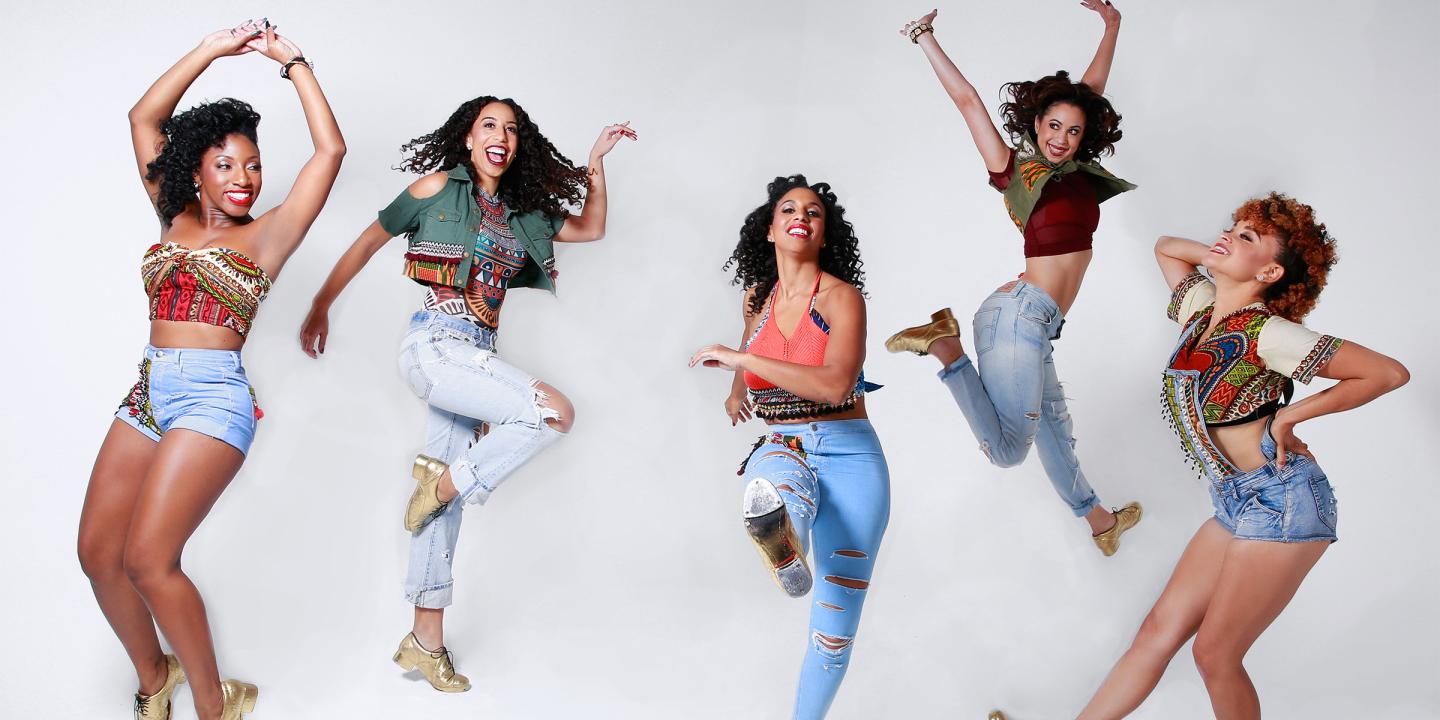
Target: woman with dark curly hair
point(1226, 394)
point(481, 222)
point(183, 430)
point(1053, 188)
point(818, 476)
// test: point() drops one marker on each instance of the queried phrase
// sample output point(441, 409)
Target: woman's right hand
point(314, 331)
point(738, 407)
point(238, 40)
point(927, 19)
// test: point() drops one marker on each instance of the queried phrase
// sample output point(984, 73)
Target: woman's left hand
point(1108, 13)
point(275, 47)
point(717, 356)
point(1283, 431)
point(609, 137)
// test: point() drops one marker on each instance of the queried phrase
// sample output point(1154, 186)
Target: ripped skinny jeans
point(487, 418)
point(835, 483)
point(1015, 399)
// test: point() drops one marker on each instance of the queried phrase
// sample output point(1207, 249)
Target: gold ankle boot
point(435, 665)
point(239, 699)
point(1125, 518)
point(425, 503)
point(157, 706)
point(917, 339)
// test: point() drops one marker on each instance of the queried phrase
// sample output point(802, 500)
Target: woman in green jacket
point(481, 221)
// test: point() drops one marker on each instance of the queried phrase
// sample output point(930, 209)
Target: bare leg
point(115, 483)
point(947, 350)
point(429, 627)
point(1174, 618)
point(187, 475)
point(1258, 580)
point(1100, 520)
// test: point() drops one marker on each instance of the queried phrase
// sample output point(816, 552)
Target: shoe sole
point(399, 659)
point(769, 527)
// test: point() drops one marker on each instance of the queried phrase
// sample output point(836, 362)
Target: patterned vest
point(1032, 170)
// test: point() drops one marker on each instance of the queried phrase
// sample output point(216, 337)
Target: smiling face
point(798, 224)
point(1059, 131)
point(229, 176)
point(1243, 254)
point(494, 139)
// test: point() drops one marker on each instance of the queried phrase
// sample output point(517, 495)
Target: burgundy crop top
point(1065, 218)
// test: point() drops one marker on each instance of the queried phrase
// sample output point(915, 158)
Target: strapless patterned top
point(215, 286)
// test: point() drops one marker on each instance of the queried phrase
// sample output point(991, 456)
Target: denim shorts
point(201, 390)
point(1290, 504)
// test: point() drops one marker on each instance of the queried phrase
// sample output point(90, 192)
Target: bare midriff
point(184, 334)
point(1059, 275)
point(1241, 443)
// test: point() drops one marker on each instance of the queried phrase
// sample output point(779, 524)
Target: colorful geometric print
point(216, 286)
point(498, 258)
point(137, 401)
point(776, 403)
point(1233, 382)
point(789, 442)
point(1031, 171)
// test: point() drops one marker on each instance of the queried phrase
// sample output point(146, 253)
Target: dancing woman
point(481, 222)
point(1053, 188)
point(184, 429)
point(818, 478)
point(1226, 394)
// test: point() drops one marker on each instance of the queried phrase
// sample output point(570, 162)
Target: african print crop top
point(1244, 370)
point(805, 347)
point(215, 286)
point(497, 258)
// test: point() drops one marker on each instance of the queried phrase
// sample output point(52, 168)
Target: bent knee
point(100, 560)
point(146, 567)
point(556, 409)
point(1215, 655)
point(1161, 634)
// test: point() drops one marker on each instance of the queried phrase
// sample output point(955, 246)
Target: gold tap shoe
point(435, 665)
point(917, 339)
point(774, 536)
point(157, 706)
point(1125, 518)
point(239, 699)
point(995, 715)
point(425, 503)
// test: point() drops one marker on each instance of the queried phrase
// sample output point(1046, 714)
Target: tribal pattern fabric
point(215, 286)
point(137, 401)
point(498, 258)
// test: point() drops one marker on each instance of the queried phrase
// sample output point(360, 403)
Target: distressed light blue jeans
point(486, 420)
point(1014, 398)
point(836, 488)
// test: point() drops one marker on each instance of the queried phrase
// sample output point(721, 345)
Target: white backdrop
point(611, 578)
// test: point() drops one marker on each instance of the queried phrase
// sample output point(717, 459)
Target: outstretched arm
point(158, 103)
point(292, 218)
point(982, 129)
point(589, 225)
point(1099, 71)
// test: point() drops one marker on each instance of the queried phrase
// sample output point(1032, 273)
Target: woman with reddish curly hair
point(482, 221)
point(1226, 394)
point(1053, 186)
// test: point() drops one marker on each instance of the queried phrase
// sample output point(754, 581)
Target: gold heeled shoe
point(435, 665)
point(425, 503)
point(157, 706)
point(239, 697)
point(768, 524)
point(1125, 518)
point(917, 339)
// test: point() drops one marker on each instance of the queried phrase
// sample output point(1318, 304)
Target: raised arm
point(589, 225)
point(289, 221)
point(158, 103)
point(982, 129)
point(1099, 71)
point(316, 328)
point(1363, 374)
point(1178, 257)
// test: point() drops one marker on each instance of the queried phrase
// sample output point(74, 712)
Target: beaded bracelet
point(919, 30)
point(297, 60)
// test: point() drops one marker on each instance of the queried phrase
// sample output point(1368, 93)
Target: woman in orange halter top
point(818, 476)
point(182, 432)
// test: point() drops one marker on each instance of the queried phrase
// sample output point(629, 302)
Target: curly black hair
point(187, 136)
point(754, 256)
point(1031, 98)
point(541, 178)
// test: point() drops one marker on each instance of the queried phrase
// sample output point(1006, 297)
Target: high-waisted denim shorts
point(201, 390)
point(1290, 504)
